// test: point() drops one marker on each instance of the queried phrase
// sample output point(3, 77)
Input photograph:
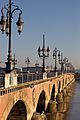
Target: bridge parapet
point(66, 80)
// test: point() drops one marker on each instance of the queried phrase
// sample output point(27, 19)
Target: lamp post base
point(9, 66)
point(44, 75)
point(56, 74)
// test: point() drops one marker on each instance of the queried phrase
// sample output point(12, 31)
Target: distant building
point(32, 69)
point(2, 70)
point(2, 77)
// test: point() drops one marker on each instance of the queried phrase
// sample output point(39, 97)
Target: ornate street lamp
point(61, 61)
point(27, 62)
point(55, 53)
point(5, 25)
point(36, 65)
point(43, 53)
point(70, 67)
point(66, 64)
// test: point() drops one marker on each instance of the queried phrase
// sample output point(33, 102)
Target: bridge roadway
point(21, 101)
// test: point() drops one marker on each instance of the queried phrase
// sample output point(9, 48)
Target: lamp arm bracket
point(46, 56)
point(3, 9)
point(14, 5)
point(6, 7)
point(15, 10)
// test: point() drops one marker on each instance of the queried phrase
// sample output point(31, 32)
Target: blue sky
point(59, 20)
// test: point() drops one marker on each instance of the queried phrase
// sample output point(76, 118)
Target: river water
point(70, 109)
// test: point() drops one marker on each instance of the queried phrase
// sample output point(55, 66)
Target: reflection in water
point(74, 108)
point(62, 108)
point(55, 116)
point(60, 114)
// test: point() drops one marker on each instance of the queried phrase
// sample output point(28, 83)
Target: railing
point(30, 84)
point(27, 77)
point(2, 76)
point(25, 80)
point(21, 78)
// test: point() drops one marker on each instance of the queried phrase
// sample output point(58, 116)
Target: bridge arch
point(53, 93)
point(14, 101)
point(59, 86)
point(41, 102)
point(18, 111)
point(63, 83)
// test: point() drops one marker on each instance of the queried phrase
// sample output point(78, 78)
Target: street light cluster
point(55, 53)
point(43, 53)
point(64, 62)
point(57, 56)
point(5, 26)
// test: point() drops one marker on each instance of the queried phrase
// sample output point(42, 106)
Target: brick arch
point(12, 103)
point(38, 90)
point(18, 111)
point(41, 102)
point(59, 86)
point(52, 97)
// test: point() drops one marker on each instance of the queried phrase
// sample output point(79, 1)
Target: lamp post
point(55, 53)
point(27, 62)
point(61, 61)
point(36, 65)
point(5, 25)
point(43, 53)
point(37, 70)
point(14, 61)
point(66, 64)
point(71, 67)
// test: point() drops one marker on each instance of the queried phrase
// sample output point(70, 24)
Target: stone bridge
point(25, 99)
